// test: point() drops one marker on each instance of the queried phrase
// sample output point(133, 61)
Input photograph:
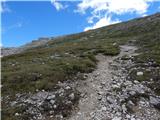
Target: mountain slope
point(9, 50)
point(43, 66)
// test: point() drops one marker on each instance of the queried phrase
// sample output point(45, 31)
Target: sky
point(25, 21)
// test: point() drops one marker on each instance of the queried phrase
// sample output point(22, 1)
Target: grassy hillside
point(42, 67)
point(66, 58)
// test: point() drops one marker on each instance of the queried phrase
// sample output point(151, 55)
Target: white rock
point(136, 82)
point(52, 101)
point(117, 118)
point(128, 116)
point(37, 90)
point(124, 109)
point(61, 94)
point(133, 119)
point(142, 102)
point(72, 96)
point(43, 90)
point(85, 76)
point(114, 44)
point(59, 82)
point(139, 73)
point(115, 86)
point(132, 92)
point(104, 108)
point(130, 102)
point(51, 97)
point(55, 106)
point(51, 112)
point(109, 99)
point(61, 116)
point(79, 113)
point(16, 114)
point(68, 87)
point(39, 103)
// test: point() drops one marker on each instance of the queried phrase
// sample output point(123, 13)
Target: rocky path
point(107, 95)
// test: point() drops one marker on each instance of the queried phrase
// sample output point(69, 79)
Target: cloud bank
point(102, 22)
point(101, 10)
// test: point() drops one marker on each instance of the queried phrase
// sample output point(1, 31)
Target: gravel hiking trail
point(93, 102)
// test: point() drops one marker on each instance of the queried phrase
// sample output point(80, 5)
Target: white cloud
point(102, 22)
point(4, 7)
point(144, 15)
point(16, 25)
point(11, 27)
point(57, 5)
point(115, 6)
point(99, 9)
point(102, 8)
point(124, 6)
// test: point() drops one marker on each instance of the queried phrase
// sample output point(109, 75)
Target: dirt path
point(92, 105)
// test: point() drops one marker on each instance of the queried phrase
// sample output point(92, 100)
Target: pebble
point(16, 114)
point(100, 93)
point(124, 109)
point(139, 73)
point(104, 108)
point(72, 96)
point(68, 87)
point(133, 119)
point(55, 106)
point(117, 118)
point(115, 86)
point(52, 101)
point(51, 112)
point(136, 82)
point(128, 116)
point(79, 113)
point(110, 100)
point(43, 90)
point(103, 83)
point(51, 97)
point(130, 102)
point(132, 93)
point(99, 97)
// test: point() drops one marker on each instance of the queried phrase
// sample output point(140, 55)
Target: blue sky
point(22, 22)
